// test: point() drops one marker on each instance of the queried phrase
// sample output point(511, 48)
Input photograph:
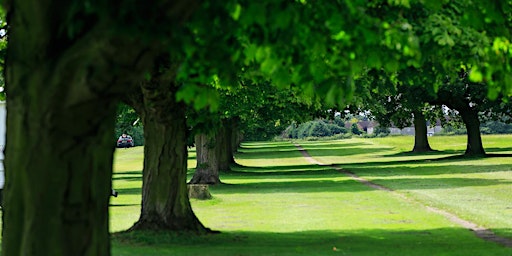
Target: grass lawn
point(277, 203)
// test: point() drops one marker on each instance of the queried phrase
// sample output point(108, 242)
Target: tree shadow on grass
point(328, 184)
point(334, 145)
point(348, 151)
point(278, 170)
point(128, 175)
point(122, 205)
point(128, 191)
point(367, 242)
point(318, 152)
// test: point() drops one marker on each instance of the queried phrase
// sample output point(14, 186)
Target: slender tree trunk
point(474, 146)
point(420, 133)
point(225, 147)
point(236, 137)
point(207, 169)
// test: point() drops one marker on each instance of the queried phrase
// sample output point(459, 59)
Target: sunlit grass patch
point(277, 203)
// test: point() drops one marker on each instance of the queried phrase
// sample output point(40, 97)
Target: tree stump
point(199, 191)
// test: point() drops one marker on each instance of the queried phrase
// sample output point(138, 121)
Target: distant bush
point(495, 127)
point(313, 129)
point(381, 131)
point(336, 129)
point(319, 129)
point(355, 129)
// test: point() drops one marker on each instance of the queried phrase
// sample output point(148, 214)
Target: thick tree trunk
point(420, 133)
point(474, 146)
point(61, 101)
point(65, 67)
point(58, 170)
point(207, 169)
point(165, 202)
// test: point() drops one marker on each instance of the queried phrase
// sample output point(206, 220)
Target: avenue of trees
point(68, 65)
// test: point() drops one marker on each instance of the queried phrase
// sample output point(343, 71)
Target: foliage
point(381, 131)
point(355, 129)
point(496, 127)
point(316, 128)
point(128, 122)
point(286, 43)
point(263, 109)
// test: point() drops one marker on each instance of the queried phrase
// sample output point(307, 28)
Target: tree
point(398, 99)
point(165, 202)
point(253, 102)
point(470, 100)
point(67, 64)
point(88, 54)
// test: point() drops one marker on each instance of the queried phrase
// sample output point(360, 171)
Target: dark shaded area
point(122, 205)
point(374, 242)
point(128, 175)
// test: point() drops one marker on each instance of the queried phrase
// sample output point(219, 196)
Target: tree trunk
point(58, 171)
point(66, 66)
point(225, 147)
point(235, 135)
point(474, 146)
point(207, 169)
point(61, 99)
point(165, 202)
point(420, 133)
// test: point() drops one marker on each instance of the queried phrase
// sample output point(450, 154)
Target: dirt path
point(479, 231)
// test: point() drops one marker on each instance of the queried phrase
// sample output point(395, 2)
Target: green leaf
point(235, 13)
point(250, 53)
point(475, 75)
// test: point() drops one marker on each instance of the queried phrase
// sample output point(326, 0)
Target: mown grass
point(277, 203)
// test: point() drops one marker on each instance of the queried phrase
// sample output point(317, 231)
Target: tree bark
point(165, 202)
point(226, 152)
point(235, 136)
point(420, 133)
point(207, 150)
point(58, 170)
point(62, 93)
point(474, 145)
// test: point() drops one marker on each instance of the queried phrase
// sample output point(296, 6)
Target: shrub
point(319, 129)
point(355, 129)
point(336, 129)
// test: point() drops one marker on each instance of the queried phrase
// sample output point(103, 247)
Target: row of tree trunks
point(474, 146)
point(215, 152)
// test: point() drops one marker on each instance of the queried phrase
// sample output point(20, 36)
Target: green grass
point(276, 203)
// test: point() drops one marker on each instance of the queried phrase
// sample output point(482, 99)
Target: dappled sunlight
point(275, 197)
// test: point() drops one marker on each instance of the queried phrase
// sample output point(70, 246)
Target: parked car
point(125, 141)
